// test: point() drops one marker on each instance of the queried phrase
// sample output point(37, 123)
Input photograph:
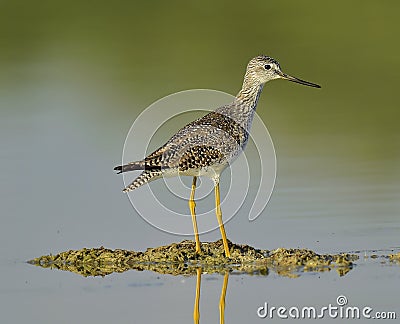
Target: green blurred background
point(127, 54)
point(75, 75)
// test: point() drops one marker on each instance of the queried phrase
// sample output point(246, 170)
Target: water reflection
point(196, 310)
point(92, 262)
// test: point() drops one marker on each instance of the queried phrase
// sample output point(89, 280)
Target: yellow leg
point(196, 311)
point(222, 300)
point(192, 206)
point(219, 217)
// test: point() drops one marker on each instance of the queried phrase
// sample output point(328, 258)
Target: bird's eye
point(267, 67)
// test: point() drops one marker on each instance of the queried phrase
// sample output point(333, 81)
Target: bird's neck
point(248, 96)
point(244, 106)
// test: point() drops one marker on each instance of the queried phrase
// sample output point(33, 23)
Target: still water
point(73, 81)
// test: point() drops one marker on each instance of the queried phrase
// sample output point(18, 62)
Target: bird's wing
point(200, 156)
point(202, 137)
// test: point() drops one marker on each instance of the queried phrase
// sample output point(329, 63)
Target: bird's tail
point(139, 165)
point(145, 177)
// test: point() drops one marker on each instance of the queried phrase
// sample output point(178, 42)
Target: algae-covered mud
point(395, 257)
point(181, 259)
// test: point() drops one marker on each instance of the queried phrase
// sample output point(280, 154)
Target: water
point(73, 82)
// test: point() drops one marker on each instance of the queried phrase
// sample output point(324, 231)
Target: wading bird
point(206, 146)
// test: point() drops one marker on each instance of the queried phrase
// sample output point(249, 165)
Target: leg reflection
point(196, 311)
point(222, 299)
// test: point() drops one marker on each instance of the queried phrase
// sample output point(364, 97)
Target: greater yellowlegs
point(206, 146)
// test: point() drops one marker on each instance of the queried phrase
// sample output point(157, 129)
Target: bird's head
point(262, 69)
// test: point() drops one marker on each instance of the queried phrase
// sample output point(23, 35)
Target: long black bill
point(293, 79)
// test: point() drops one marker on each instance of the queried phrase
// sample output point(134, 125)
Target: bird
point(208, 145)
